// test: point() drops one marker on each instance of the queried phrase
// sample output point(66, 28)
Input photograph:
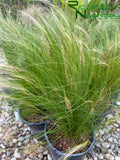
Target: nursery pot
point(36, 128)
point(58, 155)
point(102, 115)
point(106, 113)
point(115, 96)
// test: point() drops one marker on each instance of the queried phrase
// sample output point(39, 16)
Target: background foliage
point(12, 5)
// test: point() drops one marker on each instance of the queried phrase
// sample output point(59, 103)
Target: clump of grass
point(57, 69)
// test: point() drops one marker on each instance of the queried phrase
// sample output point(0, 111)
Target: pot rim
point(30, 123)
point(106, 113)
point(65, 154)
point(111, 107)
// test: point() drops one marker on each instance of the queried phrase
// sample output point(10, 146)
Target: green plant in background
point(13, 5)
point(102, 6)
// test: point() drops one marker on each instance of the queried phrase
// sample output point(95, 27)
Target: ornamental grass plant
point(59, 69)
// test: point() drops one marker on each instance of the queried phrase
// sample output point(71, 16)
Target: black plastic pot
point(102, 115)
point(114, 96)
point(36, 128)
point(58, 155)
point(106, 113)
point(112, 99)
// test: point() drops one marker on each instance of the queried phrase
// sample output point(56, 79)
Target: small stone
point(98, 144)
point(19, 144)
point(112, 157)
point(110, 150)
point(119, 142)
point(49, 157)
point(4, 155)
point(104, 137)
point(41, 149)
point(108, 136)
point(118, 122)
point(16, 115)
point(101, 132)
point(109, 116)
point(116, 125)
point(117, 158)
point(35, 140)
point(27, 132)
point(28, 129)
point(100, 156)
point(21, 139)
point(97, 134)
point(105, 130)
point(27, 136)
point(2, 146)
point(112, 146)
point(118, 135)
point(1, 135)
point(1, 120)
point(26, 141)
point(114, 135)
point(25, 129)
point(110, 139)
point(11, 144)
point(115, 140)
point(23, 133)
point(107, 156)
point(45, 152)
point(14, 140)
point(113, 154)
point(118, 103)
point(118, 130)
point(20, 124)
point(17, 155)
point(106, 145)
point(8, 153)
point(13, 158)
point(109, 128)
point(40, 155)
point(117, 149)
point(14, 127)
point(6, 114)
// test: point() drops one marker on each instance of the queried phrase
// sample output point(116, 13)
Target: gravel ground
point(18, 143)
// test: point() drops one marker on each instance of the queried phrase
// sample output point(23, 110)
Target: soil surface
point(64, 144)
point(33, 118)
